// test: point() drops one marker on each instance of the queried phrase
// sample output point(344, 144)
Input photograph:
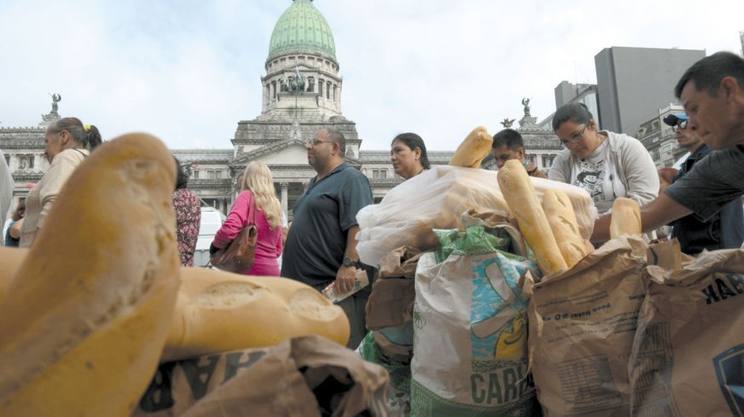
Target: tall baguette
point(86, 315)
point(525, 207)
point(473, 150)
point(562, 219)
point(626, 218)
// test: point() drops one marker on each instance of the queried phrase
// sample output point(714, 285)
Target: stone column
point(285, 197)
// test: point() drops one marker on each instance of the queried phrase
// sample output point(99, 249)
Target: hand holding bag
point(239, 254)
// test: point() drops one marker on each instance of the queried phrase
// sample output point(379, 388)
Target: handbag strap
point(252, 210)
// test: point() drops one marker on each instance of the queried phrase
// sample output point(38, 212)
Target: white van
point(211, 220)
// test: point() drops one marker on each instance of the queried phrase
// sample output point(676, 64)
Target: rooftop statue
point(56, 98)
point(526, 104)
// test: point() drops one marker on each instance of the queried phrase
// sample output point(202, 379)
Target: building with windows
point(301, 93)
point(567, 92)
point(632, 83)
point(659, 138)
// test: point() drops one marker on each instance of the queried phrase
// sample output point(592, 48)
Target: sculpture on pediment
point(507, 122)
point(296, 132)
point(526, 104)
point(56, 98)
point(47, 119)
point(283, 85)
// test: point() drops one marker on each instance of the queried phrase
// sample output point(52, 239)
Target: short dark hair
point(335, 136)
point(182, 179)
point(708, 72)
point(414, 141)
point(509, 138)
point(573, 112)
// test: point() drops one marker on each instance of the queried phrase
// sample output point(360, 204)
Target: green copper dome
point(302, 29)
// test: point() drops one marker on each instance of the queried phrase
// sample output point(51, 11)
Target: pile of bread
point(100, 299)
point(549, 226)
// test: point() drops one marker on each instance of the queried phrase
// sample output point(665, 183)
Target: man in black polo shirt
point(712, 93)
point(321, 244)
point(725, 230)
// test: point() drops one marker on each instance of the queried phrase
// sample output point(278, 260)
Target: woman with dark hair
point(408, 155)
point(68, 142)
point(188, 216)
point(608, 165)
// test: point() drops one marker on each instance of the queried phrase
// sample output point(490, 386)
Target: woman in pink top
point(257, 192)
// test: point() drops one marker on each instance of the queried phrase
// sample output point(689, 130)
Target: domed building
point(301, 93)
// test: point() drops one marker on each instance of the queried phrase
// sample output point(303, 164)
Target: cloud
point(189, 71)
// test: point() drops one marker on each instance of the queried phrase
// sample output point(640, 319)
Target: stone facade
point(301, 94)
point(540, 143)
point(660, 139)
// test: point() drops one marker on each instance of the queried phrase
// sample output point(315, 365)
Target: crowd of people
point(701, 201)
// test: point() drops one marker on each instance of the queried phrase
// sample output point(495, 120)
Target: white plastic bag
point(437, 198)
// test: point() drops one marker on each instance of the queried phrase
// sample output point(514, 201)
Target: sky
point(188, 71)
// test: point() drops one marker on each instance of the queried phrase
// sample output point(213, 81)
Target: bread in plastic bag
point(436, 198)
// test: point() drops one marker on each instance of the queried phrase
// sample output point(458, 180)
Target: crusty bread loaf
point(10, 261)
point(220, 311)
point(473, 150)
point(86, 315)
point(626, 218)
point(562, 219)
point(525, 207)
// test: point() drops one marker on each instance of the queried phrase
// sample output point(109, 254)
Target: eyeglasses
point(315, 142)
point(681, 124)
point(574, 137)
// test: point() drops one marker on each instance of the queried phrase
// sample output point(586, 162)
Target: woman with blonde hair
point(257, 200)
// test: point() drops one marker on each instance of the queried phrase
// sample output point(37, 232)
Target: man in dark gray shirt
point(712, 93)
point(725, 229)
point(321, 243)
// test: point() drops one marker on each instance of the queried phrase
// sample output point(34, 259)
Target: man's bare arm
point(345, 276)
point(662, 211)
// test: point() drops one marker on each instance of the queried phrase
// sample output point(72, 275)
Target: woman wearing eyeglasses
point(68, 142)
point(608, 165)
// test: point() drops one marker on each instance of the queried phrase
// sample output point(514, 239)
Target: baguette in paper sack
point(307, 376)
point(470, 328)
point(688, 352)
point(582, 324)
point(436, 199)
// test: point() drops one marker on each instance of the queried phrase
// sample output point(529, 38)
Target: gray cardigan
point(637, 176)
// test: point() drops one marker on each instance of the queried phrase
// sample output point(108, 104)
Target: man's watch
point(347, 262)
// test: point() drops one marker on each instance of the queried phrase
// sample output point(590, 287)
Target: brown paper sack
point(688, 352)
point(391, 300)
point(305, 376)
point(581, 327)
